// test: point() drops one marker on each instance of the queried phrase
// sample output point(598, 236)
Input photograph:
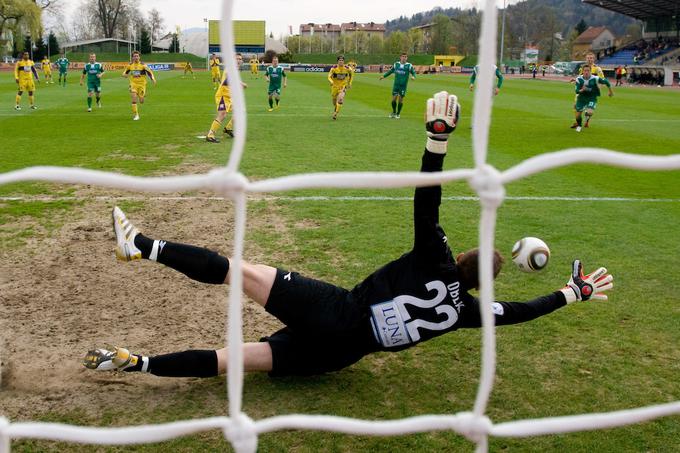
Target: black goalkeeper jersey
point(410, 301)
point(420, 295)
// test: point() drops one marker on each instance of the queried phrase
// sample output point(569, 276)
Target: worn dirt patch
point(64, 293)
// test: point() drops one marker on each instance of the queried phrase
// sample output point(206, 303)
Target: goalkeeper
point(419, 296)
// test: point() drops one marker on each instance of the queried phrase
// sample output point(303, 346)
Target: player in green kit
point(498, 74)
point(274, 75)
point(62, 64)
point(587, 92)
point(94, 72)
point(402, 71)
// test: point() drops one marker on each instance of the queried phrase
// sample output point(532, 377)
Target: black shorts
point(325, 329)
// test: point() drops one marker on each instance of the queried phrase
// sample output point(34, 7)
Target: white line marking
point(325, 198)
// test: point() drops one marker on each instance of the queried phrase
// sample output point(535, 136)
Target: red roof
point(370, 26)
point(589, 35)
point(320, 28)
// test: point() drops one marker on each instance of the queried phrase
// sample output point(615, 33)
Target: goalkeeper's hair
point(468, 267)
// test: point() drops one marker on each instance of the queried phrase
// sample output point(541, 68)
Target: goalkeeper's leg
point(191, 363)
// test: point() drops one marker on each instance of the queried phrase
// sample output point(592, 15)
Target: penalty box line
point(48, 199)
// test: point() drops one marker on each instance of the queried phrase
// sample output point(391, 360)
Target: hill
point(569, 11)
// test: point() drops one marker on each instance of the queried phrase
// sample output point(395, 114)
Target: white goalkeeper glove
point(441, 118)
point(585, 287)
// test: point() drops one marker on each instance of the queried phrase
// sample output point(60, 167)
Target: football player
point(24, 71)
point(340, 78)
point(137, 72)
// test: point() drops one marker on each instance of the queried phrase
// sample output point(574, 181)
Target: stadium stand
point(659, 34)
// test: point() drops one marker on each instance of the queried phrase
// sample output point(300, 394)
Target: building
point(326, 30)
point(333, 31)
point(594, 39)
point(370, 28)
point(104, 45)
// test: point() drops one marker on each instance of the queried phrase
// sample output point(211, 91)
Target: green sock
point(399, 106)
point(271, 103)
point(394, 106)
point(89, 102)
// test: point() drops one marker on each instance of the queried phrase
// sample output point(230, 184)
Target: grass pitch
point(588, 357)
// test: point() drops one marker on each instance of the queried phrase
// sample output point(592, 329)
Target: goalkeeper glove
point(585, 287)
point(441, 118)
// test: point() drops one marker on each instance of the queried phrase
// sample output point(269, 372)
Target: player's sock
point(89, 102)
point(197, 263)
point(579, 121)
point(134, 108)
point(394, 107)
point(277, 101)
point(214, 127)
point(399, 106)
point(271, 103)
point(99, 100)
point(30, 99)
point(230, 125)
point(192, 363)
point(18, 99)
point(338, 106)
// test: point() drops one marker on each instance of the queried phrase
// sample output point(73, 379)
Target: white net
point(489, 184)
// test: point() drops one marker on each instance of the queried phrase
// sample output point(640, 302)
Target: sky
point(279, 14)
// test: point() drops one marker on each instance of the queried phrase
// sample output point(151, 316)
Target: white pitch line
point(328, 198)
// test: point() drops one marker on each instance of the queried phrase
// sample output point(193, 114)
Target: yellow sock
point(230, 124)
point(214, 127)
point(338, 106)
point(30, 100)
point(18, 98)
point(134, 108)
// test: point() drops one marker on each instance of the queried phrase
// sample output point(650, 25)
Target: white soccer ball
point(530, 254)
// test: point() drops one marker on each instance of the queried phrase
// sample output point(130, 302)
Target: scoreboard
point(249, 36)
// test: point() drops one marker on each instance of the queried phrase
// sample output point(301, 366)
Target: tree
point(20, 15)
point(396, 43)
point(156, 24)
point(441, 34)
point(27, 45)
point(52, 44)
point(39, 49)
point(375, 44)
point(581, 26)
point(174, 45)
point(145, 41)
point(633, 32)
point(417, 40)
point(108, 12)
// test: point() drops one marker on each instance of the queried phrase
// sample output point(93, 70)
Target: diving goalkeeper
point(421, 295)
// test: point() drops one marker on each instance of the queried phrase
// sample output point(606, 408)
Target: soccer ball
point(530, 254)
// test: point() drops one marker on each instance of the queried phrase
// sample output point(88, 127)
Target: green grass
point(584, 358)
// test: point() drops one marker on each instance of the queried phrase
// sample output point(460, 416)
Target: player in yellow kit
point(47, 70)
point(223, 101)
point(215, 74)
point(188, 69)
point(254, 65)
point(137, 72)
point(24, 71)
point(340, 78)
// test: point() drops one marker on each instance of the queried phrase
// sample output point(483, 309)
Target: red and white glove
point(586, 287)
point(441, 118)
